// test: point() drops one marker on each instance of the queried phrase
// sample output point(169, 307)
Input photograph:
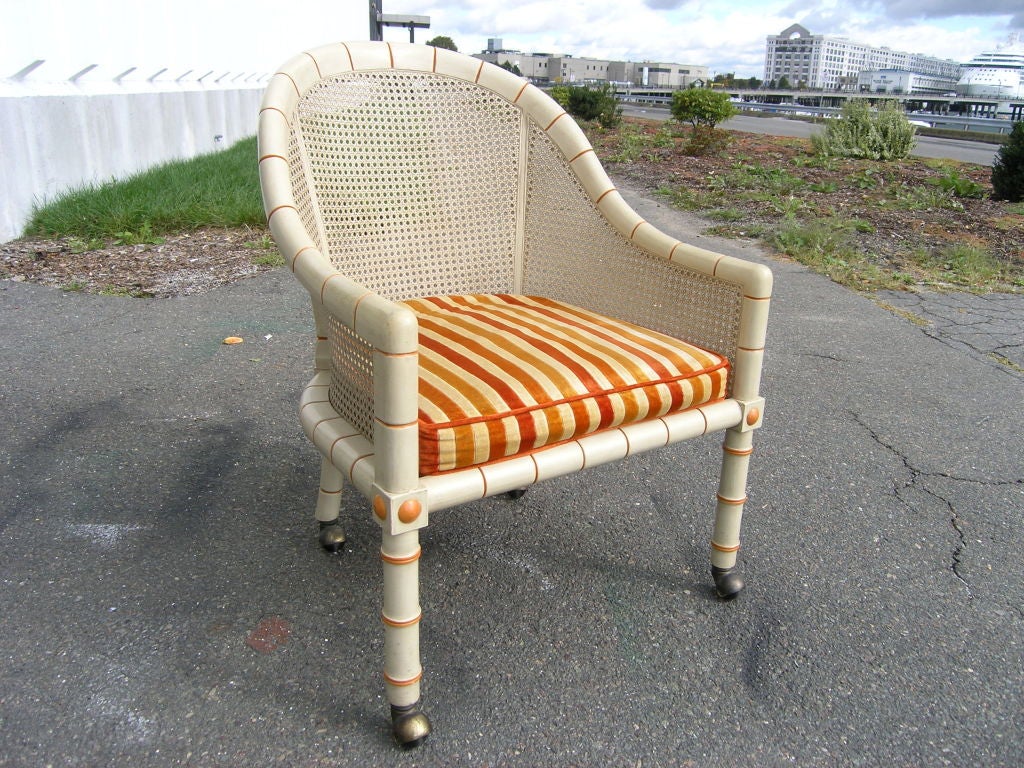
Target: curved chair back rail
point(396, 172)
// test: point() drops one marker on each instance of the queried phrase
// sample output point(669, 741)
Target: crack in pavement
point(916, 474)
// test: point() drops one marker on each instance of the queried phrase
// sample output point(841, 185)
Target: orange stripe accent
point(391, 56)
point(732, 502)
point(339, 439)
point(275, 109)
point(433, 67)
point(606, 192)
point(278, 208)
point(639, 224)
point(757, 298)
point(315, 64)
point(292, 81)
point(580, 154)
point(720, 548)
point(299, 253)
point(516, 99)
point(479, 71)
point(751, 349)
point(401, 683)
point(351, 64)
point(399, 624)
point(279, 157)
point(395, 426)
point(352, 469)
point(555, 121)
point(321, 338)
point(392, 560)
point(355, 309)
point(737, 451)
point(330, 492)
point(323, 285)
point(718, 261)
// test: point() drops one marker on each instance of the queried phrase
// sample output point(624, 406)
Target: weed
point(725, 214)
point(78, 245)
point(265, 243)
point(959, 186)
point(74, 286)
point(269, 260)
point(693, 199)
point(824, 187)
point(142, 236)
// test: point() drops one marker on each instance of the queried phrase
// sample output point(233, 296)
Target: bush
point(701, 107)
point(885, 134)
point(589, 104)
point(1008, 168)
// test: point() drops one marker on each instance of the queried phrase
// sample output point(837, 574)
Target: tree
point(784, 83)
point(513, 68)
point(589, 103)
point(443, 41)
point(701, 107)
point(1008, 168)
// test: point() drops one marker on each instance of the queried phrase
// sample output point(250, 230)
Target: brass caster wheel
point(332, 537)
point(410, 726)
point(518, 493)
point(727, 582)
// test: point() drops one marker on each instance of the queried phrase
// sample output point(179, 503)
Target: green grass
point(216, 190)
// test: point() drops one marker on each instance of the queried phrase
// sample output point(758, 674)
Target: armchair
point(489, 312)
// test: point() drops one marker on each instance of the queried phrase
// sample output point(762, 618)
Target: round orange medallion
point(409, 511)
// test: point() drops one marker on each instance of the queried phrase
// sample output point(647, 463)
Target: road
point(927, 146)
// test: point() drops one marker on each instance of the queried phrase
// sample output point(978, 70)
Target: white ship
point(997, 74)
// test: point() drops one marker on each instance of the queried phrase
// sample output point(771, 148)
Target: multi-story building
point(824, 62)
point(563, 68)
point(650, 74)
point(533, 66)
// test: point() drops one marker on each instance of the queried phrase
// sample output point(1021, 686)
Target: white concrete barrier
point(59, 136)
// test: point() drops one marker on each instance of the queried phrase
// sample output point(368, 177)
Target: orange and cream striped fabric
point(503, 375)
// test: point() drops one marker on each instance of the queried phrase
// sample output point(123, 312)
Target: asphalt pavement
point(165, 603)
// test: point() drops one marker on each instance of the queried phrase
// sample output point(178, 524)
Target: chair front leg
point(725, 540)
point(402, 671)
point(328, 507)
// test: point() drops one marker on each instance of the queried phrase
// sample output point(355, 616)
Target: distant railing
point(59, 131)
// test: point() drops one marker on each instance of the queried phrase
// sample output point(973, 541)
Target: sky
point(256, 36)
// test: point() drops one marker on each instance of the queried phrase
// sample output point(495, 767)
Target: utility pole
point(379, 20)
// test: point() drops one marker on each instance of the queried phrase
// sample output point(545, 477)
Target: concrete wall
point(58, 136)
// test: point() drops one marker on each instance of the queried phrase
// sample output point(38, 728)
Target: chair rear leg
point(328, 507)
point(401, 615)
point(725, 540)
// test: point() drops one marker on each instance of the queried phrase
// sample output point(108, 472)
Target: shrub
point(885, 134)
point(1008, 168)
point(585, 103)
point(701, 107)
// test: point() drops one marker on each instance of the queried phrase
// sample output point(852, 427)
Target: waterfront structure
point(825, 62)
point(900, 81)
point(997, 74)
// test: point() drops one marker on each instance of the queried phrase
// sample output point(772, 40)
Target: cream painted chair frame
point(373, 443)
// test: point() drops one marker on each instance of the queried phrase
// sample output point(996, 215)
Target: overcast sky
point(725, 36)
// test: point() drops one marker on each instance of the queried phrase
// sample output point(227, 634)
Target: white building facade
point(824, 62)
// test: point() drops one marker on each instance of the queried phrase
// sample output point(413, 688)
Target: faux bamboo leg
point(401, 615)
point(328, 507)
point(725, 540)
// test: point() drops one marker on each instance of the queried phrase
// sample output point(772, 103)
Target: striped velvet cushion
point(506, 375)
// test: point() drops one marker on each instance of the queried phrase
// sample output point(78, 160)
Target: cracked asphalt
point(164, 601)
